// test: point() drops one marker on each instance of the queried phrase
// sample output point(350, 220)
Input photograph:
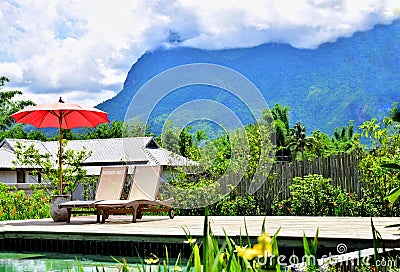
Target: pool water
point(20, 262)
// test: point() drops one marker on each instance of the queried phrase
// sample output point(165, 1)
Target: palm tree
point(281, 121)
point(395, 113)
point(281, 113)
point(298, 141)
point(342, 137)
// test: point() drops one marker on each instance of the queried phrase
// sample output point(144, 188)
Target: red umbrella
point(63, 116)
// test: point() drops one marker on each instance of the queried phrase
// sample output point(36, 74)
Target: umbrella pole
point(60, 156)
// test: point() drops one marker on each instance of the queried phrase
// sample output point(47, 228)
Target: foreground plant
point(226, 255)
point(214, 255)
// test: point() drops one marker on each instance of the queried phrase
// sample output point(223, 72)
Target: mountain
point(354, 78)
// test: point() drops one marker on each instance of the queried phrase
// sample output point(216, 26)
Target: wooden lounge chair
point(110, 186)
point(142, 196)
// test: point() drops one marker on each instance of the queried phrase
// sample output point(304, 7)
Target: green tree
point(343, 137)
point(299, 141)
point(222, 156)
point(9, 104)
point(46, 166)
point(114, 129)
point(104, 131)
point(280, 115)
point(395, 113)
point(169, 139)
point(188, 143)
point(132, 129)
point(382, 149)
point(323, 145)
point(19, 131)
point(395, 164)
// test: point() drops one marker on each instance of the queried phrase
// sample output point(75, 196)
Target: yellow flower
point(222, 258)
point(177, 268)
point(239, 249)
point(265, 242)
point(262, 249)
point(249, 253)
point(190, 241)
point(151, 260)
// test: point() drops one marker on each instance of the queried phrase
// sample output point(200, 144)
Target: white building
point(103, 152)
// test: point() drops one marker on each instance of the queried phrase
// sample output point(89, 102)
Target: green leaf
point(216, 264)
point(197, 262)
point(305, 245)
point(166, 262)
point(263, 226)
point(376, 237)
point(391, 166)
point(315, 243)
point(275, 248)
point(205, 240)
point(247, 233)
point(177, 259)
point(393, 195)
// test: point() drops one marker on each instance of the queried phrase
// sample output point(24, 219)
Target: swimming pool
point(22, 262)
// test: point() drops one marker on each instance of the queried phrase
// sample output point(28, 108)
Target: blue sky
point(82, 50)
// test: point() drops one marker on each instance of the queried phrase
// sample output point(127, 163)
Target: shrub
point(16, 205)
point(314, 195)
point(234, 205)
point(193, 197)
point(377, 181)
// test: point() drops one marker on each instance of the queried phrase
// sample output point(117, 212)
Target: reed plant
point(214, 254)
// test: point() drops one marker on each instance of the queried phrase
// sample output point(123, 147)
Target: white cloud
point(11, 69)
point(59, 47)
point(82, 97)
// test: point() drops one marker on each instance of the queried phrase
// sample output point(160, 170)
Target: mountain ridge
point(354, 78)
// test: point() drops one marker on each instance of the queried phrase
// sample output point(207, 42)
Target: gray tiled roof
point(165, 157)
point(11, 143)
point(7, 157)
point(138, 150)
point(113, 150)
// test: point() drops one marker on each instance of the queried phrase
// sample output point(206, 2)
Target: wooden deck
point(354, 232)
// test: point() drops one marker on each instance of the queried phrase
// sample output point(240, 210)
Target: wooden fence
point(341, 168)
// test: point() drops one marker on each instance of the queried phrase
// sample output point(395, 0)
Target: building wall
point(8, 177)
point(30, 179)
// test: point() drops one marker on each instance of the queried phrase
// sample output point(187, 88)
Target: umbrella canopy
point(72, 116)
point(63, 116)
